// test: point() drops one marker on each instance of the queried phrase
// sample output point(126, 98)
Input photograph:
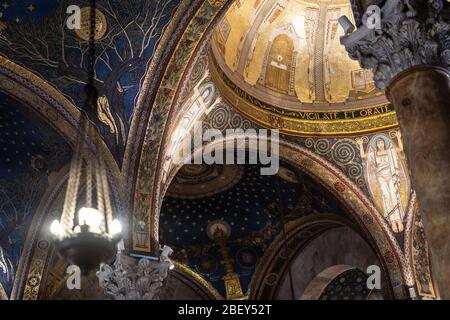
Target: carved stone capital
point(412, 33)
point(133, 279)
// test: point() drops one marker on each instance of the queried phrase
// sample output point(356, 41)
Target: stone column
point(410, 58)
point(421, 96)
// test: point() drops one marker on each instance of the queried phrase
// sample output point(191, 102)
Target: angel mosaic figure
point(386, 176)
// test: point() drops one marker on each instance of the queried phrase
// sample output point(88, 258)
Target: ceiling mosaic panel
point(35, 35)
point(349, 285)
point(292, 49)
point(251, 207)
point(30, 151)
point(281, 64)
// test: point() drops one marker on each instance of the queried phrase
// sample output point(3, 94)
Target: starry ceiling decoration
point(30, 151)
point(251, 208)
point(349, 285)
point(34, 34)
point(20, 10)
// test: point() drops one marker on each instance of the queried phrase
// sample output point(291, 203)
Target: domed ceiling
point(285, 57)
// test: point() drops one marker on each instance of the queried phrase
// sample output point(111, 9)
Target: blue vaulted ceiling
point(248, 206)
point(19, 10)
point(33, 34)
point(29, 151)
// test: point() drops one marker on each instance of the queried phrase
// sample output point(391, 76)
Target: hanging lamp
point(86, 235)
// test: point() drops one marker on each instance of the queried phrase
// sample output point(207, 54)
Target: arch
point(3, 295)
point(190, 113)
point(317, 285)
point(257, 22)
point(284, 249)
point(347, 192)
point(149, 88)
point(320, 283)
point(146, 181)
point(149, 158)
point(37, 246)
point(280, 58)
point(284, 252)
point(270, 63)
point(48, 103)
point(203, 287)
point(287, 30)
point(418, 255)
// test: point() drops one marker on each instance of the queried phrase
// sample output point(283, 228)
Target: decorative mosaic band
point(304, 123)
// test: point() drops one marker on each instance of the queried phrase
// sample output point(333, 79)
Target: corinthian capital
point(413, 32)
point(133, 279)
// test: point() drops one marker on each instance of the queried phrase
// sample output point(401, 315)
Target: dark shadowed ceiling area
point(29, 152)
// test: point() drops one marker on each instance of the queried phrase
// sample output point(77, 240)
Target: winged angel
point(386, 177)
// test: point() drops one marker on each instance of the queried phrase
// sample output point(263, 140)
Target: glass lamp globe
point(88, 244)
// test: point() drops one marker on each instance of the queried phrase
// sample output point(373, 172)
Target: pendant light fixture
point(86, 235)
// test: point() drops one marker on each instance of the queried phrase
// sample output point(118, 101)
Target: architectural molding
point(37, 249)
point(284, 248)
point(301, 119)
point(320, 282)
point(152, 152)
point(197, 279)
point(150, 86)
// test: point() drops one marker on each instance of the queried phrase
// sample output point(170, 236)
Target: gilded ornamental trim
point(309, 123)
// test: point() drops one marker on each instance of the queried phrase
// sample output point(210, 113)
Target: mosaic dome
point(285, 58)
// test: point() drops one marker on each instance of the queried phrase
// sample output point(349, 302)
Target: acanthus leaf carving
point(132, 279)
point(412, 33)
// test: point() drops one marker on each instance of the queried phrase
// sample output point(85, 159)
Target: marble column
point(410, 58)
